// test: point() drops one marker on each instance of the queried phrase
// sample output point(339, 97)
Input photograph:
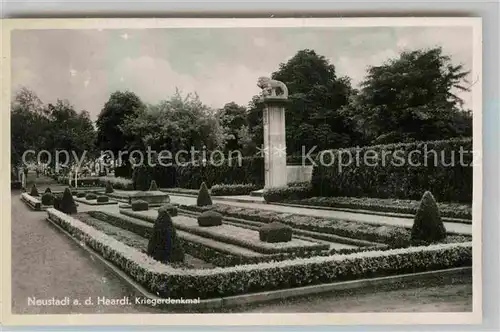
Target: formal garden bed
point(93, 201)
point(401, 206)
point(240, 236)
point(170, 280)
point(394, 236)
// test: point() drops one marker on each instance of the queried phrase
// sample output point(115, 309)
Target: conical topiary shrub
point(34, 191)
point(163, 245)
point(67, 203)
point(109, 188)
point(428, 226)
point(47, 198)
point(48, 190)
point(153, 186)
point(204, 198)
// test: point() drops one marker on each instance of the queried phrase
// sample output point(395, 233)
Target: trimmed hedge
point(153, 186)
point(403, 206)
point(204, 198)
point(164, 245)
point(140, 205)
point(167, 281)
point(102, 199)
point(232, 189)
point(109, 188)
point(66, 203)
point(34, 191)
point(428, 226)
point(275, 232)
point(280, 194)
point(90, 196)
point(80, 194)
point(209, 219)
point(401, 171)
point(47, 199)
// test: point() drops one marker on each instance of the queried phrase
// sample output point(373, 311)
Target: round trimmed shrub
point(102, 199)
point(67, 203)
point(48, 190)
point(47, 198)
point(109, 187)
point(204, 198)
point(34, 191)
point(153, 186)
point(275, 232)
point(80, 194)
point(210, 218)
point(140, 205)
point(428, 226)
point(90, 196)
point(164, 245)
point(171, 209)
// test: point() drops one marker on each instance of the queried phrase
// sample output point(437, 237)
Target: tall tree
point(119, 107)
point(317, 94)
point(180, 123)
point(412, 97)
point(233, 119)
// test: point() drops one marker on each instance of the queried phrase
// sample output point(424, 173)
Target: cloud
point(221, 65)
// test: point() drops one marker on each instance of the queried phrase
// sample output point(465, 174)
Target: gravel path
point(46, 264)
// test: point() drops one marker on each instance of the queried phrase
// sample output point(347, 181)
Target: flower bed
point(168, 281)
point(239, 236)
point(394, 236)
point(403, 206)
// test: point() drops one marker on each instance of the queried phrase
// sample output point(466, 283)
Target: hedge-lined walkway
point(406, 222)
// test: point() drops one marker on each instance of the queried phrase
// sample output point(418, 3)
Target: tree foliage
point(411, 98)
point(317, 94)
point(120, 107)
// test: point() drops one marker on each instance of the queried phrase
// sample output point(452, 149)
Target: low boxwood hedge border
point(33, 202)
point(167, 281)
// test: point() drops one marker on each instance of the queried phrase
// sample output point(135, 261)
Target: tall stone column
point(274, 143)
point(274, 98)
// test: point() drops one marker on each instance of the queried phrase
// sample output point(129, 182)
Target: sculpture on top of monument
point(272, 88)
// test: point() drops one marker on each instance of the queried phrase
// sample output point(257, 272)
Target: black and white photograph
point(243, 166)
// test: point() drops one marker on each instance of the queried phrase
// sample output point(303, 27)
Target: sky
point(221, 65)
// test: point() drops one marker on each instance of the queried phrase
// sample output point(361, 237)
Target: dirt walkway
point(46, 264)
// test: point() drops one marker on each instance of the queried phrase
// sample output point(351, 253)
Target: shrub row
point(168, 281)
point(15, 185)
point(403, 206)
point(394, 236)
point(280, 194)
point(232, 189)
point(397, 171)
point(190, 176)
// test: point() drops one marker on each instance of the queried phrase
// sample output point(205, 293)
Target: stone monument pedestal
point(274, 142)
